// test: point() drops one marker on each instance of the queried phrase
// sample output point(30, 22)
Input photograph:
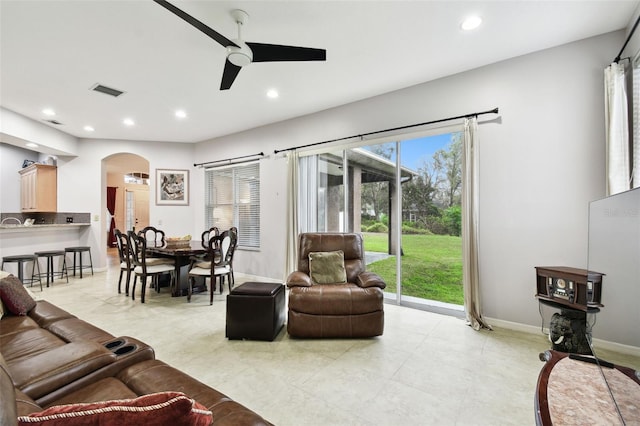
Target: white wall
point(540, 164)
point(82, 183)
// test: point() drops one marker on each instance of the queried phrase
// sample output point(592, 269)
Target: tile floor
point(427, 369)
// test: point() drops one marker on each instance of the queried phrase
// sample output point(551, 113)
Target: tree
point(417, 194)
point(447, 164)
point(384, 150)
point(375, 196)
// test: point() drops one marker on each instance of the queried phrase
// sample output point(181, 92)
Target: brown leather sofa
point(350, 309)
point(49, 358)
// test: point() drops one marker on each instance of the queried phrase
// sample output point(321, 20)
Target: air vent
point(56, 122)
point(107, 90)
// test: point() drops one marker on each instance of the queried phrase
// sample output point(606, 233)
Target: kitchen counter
point(6, 228)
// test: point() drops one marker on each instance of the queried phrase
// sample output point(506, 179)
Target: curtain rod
point(229, 160)
point(475, 114)
point(624, 46)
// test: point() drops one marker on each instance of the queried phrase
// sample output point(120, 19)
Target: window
point(137, 177)
point(232, 198)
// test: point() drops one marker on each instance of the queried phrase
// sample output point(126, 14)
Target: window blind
point(232, 198)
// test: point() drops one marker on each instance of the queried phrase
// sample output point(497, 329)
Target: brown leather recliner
point(351, 309)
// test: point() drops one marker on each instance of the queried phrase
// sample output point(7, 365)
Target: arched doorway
point(127, 180)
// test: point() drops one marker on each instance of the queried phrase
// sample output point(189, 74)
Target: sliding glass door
point(404, 197)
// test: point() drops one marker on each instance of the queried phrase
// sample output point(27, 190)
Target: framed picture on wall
point(172, 187)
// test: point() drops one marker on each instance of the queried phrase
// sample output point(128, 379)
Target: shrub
point(377, 227)
point(452, 219)
point(407, 229)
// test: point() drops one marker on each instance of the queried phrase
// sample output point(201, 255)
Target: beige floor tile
point(427, 369)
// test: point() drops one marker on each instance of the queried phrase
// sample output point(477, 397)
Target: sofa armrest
point(8, 409)
point(47, 371)
point(370, 279)
point(299, 279)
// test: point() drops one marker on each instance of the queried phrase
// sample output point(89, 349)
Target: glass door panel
point(404, 197)
point(331, 216)
point(373, 200)
point(431, 260)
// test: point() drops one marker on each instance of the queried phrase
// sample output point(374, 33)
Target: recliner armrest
point(370, 279)
point(299, 279)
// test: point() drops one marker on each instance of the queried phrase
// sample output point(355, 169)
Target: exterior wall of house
point(541, 163)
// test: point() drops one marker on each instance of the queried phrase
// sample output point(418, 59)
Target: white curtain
point(308, 194)
point(635, 168)
point(617, 130)
point(293, 229)
point(470, 199)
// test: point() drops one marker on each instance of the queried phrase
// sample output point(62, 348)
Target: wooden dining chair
point(215, 269)
point(138, 253)
point(204, 240)
point(155, 237)
point(126, 265)
point(230, 253)
point(208, 233)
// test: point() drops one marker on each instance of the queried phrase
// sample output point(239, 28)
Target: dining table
point(181, 254)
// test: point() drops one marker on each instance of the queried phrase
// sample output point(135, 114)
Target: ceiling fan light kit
point(239, 56)
point(239, 53)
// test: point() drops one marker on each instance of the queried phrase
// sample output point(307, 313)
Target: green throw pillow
point(327, 267)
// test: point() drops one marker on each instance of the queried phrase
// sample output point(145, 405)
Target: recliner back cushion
point(350, 244)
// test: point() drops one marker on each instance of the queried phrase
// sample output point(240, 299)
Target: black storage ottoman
point(255, 311)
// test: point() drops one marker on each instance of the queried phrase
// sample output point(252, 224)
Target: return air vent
point(107, 90)
point(56, 122)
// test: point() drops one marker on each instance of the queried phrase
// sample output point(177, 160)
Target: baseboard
point(598, 343)
point(249, 277)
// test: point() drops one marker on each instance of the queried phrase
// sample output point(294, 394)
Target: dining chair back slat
point(154, 237)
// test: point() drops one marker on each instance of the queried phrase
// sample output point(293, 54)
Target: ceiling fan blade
point(196, 23)
point(229, 75)
point(275, 53)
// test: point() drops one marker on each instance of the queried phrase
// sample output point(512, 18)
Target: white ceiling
point(53, 52)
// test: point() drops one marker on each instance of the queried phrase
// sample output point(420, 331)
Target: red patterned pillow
point(14, 296)
point(157, 409)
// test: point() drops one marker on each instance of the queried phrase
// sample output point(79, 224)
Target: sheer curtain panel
point(292, 212)
point(618, 172)
point(470, 200)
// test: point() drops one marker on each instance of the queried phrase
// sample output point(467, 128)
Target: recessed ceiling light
point(181, 113)
point(49, 112)
point(272, 93)
point(89, 128)
point(32, 145)
point(128, 122)
point(471, 23)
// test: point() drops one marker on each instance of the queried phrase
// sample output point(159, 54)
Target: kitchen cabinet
point(39, 188)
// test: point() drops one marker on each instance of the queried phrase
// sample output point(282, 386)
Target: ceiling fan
point(240, 53)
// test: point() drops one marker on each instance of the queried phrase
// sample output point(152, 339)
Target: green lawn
point(431, 266)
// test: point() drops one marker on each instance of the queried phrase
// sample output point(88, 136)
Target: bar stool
point(51, 273)
point(20, 259)
point(78, 250)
